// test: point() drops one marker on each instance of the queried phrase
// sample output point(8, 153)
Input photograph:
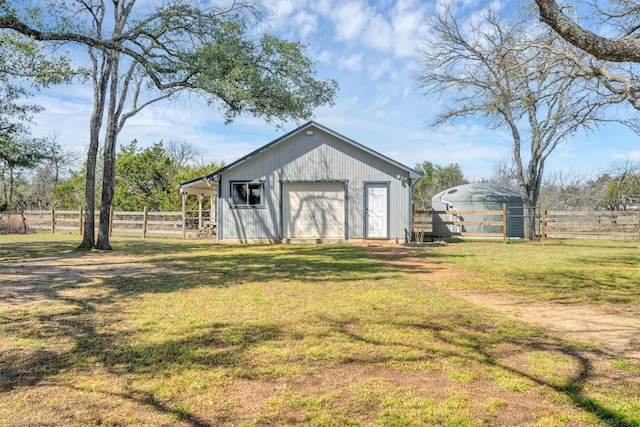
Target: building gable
point(306, 133)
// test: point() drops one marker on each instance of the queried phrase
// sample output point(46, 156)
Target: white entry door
point(377, 211)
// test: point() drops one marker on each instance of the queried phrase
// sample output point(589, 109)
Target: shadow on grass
point(37, 249)
point(475, 343)
point(232, 265)
point(84, 320)
point(67, 295)
point(585, 275)
point(478, 347)
point(213, 345)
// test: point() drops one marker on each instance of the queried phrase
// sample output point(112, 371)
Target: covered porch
point(205, 223)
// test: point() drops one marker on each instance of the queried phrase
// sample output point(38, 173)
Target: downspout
point(219, 216)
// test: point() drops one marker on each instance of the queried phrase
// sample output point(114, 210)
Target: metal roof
point(208, 180)
point(478, 192)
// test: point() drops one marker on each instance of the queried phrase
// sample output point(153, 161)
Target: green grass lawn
point(166, 332)
point(567, 271)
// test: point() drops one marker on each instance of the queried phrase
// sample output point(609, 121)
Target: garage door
point(313, 210)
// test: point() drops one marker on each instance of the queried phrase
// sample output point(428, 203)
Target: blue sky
point(371, 48)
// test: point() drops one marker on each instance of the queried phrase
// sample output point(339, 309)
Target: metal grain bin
point(478, 197)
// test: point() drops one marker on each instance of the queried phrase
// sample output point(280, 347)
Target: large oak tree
point(141, 53)
point(514, 76)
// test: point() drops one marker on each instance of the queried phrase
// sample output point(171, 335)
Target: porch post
point(184, 216)
point(200, 200)
point(212, 213)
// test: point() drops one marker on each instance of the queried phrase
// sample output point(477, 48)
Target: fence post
point(639, 233)
point(144, 223)
point(80, 219)
point(53, 220)
point(504, 223)
point(543, 225)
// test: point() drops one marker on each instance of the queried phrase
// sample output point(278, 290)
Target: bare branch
point(514, 75)
point(623, 49)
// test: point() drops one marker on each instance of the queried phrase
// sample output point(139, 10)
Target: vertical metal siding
point(317, 157)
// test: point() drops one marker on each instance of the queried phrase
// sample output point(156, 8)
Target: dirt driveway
point(612, 331)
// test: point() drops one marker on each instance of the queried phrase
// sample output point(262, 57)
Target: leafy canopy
point(151, 177)
point(435, 178)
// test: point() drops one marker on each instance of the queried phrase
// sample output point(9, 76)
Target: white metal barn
point(310, 185)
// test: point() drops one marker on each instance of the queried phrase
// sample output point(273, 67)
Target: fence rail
point(123, 222)
point(599, 225)
point(472, 223)
point(605, 225)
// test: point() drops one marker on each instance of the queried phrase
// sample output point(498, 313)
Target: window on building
point(246, 194)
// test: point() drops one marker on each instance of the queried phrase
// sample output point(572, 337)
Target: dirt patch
point(355, 388)
point(404, 259)
point(33, 280)
point(612, 330)
point(615, 333)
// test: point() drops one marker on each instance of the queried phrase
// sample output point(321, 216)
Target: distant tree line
point(151, 176)
point(615, 189)
point(147, 176)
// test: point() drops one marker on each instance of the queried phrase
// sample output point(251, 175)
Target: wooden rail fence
point(476, 223)
point(605, 225)
point(598, 225)
point(124, 222)
point(601, 225)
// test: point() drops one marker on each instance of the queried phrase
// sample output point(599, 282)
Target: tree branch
point(625, 49)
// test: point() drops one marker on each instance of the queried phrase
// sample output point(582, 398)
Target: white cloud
point(292, 18)
point(380, 69)
point(306, 23)
point(350, 19)
point(379, 34)
point(281, 8)
point(395, 30)
point(324, 7)
point(408, 21)
point(325, 56)
point(352, 62)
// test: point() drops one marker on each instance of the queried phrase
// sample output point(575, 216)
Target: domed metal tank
point(478, 197)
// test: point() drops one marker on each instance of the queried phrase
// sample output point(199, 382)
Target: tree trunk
point(108, 180)
point(5, 189)
point(109, 172)
point(11, 183)
point(88, 236)
point(101, 74)
point(530, 222)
